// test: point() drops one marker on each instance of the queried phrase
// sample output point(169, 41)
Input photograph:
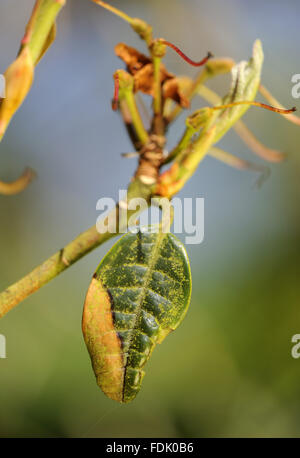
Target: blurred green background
point(228, 370)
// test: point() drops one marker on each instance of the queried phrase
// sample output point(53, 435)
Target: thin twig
point(14, 187)
point(50, 268)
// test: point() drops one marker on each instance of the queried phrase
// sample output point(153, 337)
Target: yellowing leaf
point(18, 77)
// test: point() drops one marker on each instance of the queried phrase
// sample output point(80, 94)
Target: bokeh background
point(228, 370)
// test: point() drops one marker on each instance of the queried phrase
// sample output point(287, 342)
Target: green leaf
point(139, 294)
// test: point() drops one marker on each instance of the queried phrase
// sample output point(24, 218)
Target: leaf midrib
point(143, 293)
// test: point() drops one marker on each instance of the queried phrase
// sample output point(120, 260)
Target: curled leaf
point(172, 90)
point(139, 294)
point(144, 80)
point(134, 59)
point(142, 70)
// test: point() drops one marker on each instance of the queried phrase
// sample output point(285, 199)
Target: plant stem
point(64, 258)
point(182, 145)
point(127, 119)
point(40, 25)
point(117, 220)
point(50, 268)
point(158, 125)
point(114, 10)
point(135, 116)
point(14, 187)
point(157, 86)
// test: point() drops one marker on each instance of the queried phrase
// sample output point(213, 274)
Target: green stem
point(158, 124)
point(190, 161)
point(17, 186)
point(129, 124)
point(50, 268)
point(72, 252)
point(157, 106)
point(40, 25)
point(182, 145)
point(135, 116)
point(114, 10)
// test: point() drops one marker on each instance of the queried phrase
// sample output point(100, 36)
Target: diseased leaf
point(139, 294)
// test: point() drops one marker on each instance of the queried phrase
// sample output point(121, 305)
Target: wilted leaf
point(134, 59)
point(39, 35)
point(138, 295)
point(172, 90)
point(18, 77)
point(141, 67)
point(144, 80)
